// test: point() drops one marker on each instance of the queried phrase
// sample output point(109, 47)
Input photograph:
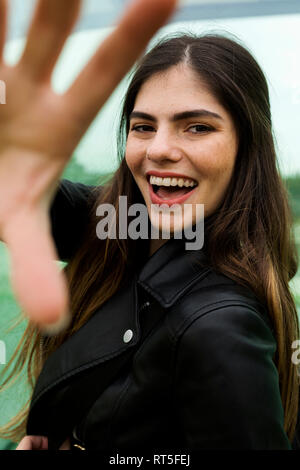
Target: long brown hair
point(249, 238)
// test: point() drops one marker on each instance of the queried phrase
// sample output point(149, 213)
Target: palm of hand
point(39, 131)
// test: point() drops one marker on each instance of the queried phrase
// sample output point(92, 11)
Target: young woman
point(169, 348)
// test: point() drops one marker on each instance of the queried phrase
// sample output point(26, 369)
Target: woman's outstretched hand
point(39, 131)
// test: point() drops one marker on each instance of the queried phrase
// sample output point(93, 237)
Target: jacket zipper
point(146, 304)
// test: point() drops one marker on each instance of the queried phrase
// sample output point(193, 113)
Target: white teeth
point(172, 182)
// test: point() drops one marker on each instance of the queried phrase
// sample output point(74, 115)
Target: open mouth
point(171, 188)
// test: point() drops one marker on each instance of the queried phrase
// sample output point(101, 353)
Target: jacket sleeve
point(69, 215)
point(227, 386)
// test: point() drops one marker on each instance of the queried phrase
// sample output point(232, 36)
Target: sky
point(273, 41)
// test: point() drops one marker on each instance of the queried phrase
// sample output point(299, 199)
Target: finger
point(52, 22)
point(38, 284)
point(115, 57)
point(33, 443)
point(25, 444)
point(3, 26)
point(40, 443)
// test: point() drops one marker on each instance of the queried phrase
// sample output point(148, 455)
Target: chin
point(166, 226)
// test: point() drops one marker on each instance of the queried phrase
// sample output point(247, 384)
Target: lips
point(163, 196)
point(169, 188)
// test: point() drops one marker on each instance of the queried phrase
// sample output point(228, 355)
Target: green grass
point(11, 399)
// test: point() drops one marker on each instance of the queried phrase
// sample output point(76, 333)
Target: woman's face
point(182, 144)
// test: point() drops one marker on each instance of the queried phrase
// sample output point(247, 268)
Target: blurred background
point(269, 28)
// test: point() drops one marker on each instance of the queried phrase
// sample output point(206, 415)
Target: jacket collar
point(171, 271)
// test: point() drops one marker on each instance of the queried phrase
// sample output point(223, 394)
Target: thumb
point(38, 283)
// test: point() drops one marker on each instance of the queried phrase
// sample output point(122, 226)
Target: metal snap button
point(128, 336)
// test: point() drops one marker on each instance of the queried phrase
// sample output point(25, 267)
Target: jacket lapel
point(172, 270)
point(100, 339)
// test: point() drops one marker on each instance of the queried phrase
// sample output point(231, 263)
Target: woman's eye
point(199, 129)
point(142, 128)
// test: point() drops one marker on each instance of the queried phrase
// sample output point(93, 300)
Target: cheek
point(133, 156)
point(216, 161)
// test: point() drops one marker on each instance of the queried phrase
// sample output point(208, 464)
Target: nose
point(163, 147)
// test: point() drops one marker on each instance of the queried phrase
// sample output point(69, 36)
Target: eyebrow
point(196, 113)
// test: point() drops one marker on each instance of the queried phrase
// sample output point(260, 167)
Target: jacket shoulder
point(215, 293)
point(69, 216)
point(227, 384)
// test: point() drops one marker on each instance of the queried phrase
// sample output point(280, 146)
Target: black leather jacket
point(180, 358)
